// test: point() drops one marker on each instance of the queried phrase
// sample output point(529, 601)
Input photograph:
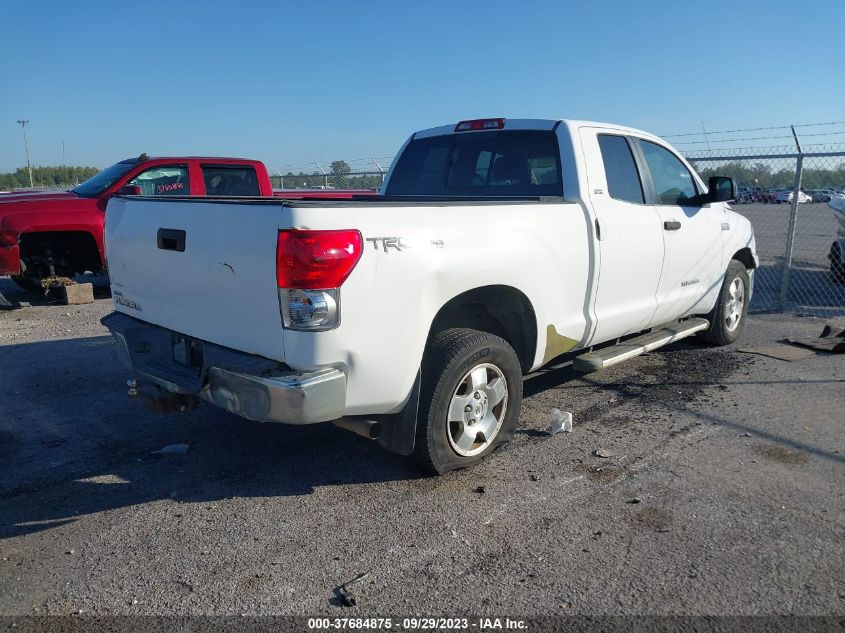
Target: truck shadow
point(72, 443)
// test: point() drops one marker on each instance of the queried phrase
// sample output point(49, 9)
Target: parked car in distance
point(821, 195)
point(497, 246)
point(785, 196)
point(47, 232)
point(749, 195)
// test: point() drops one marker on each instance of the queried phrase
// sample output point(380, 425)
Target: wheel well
point(500, 310)
point(744, 255)
point(76, 250)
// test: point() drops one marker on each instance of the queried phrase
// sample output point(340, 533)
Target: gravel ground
point(722, 494)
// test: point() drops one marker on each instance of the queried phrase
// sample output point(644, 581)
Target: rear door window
point(498, 163)
point(164, 180)
point(230, 180)
point(623, 178)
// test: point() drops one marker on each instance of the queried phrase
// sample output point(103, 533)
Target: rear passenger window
point(500, 163)
point(226, 180)
point(672, 180)
point(623, 178)
point(163, 181)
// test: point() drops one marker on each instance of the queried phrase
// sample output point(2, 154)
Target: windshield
point(499, 163)
point(105, 179)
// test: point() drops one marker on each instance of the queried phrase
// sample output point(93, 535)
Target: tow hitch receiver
point(163, 402)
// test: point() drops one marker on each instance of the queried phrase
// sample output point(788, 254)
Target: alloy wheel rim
point(477, 409)
point(735, 304)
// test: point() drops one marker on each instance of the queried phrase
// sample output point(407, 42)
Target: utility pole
point(325, 175)
point(26, 146)
point(706, 140)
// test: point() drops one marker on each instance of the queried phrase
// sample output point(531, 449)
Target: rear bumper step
point(593, 361)
point(249, 386)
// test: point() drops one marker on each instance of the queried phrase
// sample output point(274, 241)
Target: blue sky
point(292, 82)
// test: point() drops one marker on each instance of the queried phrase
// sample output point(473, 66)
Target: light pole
point(26, 146)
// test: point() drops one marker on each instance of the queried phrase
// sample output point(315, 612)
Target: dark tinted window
point(672, 180)
point(235, 180)
point(484, 164)
point(623, 179)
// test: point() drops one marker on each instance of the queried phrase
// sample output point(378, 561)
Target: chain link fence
point(356, 174)
point(359, 180)
point(785, 192)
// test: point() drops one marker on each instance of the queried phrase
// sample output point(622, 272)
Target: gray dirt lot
point(737, 461)
point(812, 289)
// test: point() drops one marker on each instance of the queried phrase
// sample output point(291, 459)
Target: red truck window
point(164, 180)
point(230, 180)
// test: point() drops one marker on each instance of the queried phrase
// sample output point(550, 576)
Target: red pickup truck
point(49, 233)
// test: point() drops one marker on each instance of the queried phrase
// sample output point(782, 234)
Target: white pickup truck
point(496, 247)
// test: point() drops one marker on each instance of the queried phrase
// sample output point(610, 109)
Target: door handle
point(671, 225)
point(171, 240)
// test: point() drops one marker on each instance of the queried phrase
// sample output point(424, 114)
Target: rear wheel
point(727, 319)
point(469, 400)
point(55, 254)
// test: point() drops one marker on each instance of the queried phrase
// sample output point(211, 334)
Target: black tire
point(723, 330)
point(837, 268)
point(448, 361)
point(32, 284)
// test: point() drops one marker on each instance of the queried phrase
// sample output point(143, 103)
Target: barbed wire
point(751, 129)
point(756, 138)
point(777, 152)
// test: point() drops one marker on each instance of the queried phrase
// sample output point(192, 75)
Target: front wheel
point(470, 397)
point(728, 316)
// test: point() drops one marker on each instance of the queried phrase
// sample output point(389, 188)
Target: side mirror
point(721, 189)
point(129, 190)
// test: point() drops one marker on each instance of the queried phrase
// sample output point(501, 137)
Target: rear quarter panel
point(391, 298)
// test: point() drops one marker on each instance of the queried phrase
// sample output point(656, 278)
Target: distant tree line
point(762, 175)
point(46, 176)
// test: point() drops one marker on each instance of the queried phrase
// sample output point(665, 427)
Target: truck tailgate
point(206, 269)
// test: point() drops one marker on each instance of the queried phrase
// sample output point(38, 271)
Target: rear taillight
point(316, 259)
point(9, 237)
point(480, 124)
point(310, 268)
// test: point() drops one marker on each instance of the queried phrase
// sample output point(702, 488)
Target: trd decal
point(388, 243)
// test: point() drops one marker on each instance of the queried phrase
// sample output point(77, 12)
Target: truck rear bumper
point(10, 260)
point(250, 386)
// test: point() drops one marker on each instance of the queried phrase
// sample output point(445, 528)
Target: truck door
point(630, 240)
point(692, 236)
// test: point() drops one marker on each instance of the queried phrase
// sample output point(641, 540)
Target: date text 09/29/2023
point(417, 623)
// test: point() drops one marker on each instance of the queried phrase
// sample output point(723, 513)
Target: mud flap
point(399, 430)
